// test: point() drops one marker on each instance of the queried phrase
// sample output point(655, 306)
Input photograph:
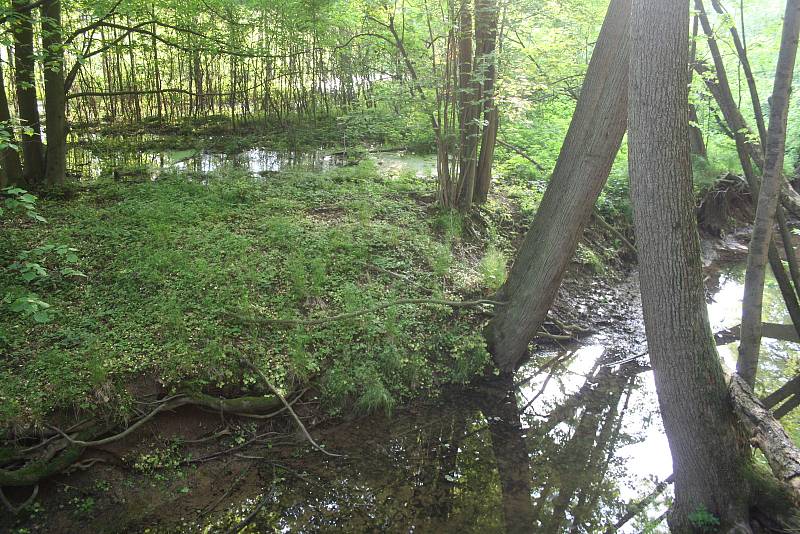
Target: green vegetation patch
point(172, 266)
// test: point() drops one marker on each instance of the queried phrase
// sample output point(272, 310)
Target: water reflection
point(473, 461)
point(85, 164)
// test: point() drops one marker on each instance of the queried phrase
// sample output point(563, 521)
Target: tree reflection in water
point(468, 461)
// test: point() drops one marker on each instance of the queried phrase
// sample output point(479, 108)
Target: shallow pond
point(87, 164)
point(259, 161)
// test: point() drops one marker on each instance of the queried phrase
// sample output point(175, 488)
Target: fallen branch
point(373, 309)
point(520, 152)
point(792, 387)
point(767, 434)
point(278, 394)
point(782, 332)
point(619, 235)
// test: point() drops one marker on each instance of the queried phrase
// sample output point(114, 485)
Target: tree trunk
point(486, 18)
point(9, 158)
point(55, 103)
point(468, 98)
point(25, 80)
point(708, 451)
point(581, 171)
point(747, 365)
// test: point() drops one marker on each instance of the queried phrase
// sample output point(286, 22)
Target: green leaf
point(41, 316)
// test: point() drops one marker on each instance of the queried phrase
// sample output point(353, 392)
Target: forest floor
point(177, 270)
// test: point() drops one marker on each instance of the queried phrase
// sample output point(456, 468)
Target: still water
point(259, 162)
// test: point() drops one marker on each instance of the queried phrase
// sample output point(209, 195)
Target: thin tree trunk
point(748, 74)
point(468, 99)
point(708, 452)
point(55, 97)
point(581, 171)
point(25, 80)
point(747, 365)
point(486, 19)
point(9, 158)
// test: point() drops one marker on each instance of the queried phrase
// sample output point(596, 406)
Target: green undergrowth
point(170, 264)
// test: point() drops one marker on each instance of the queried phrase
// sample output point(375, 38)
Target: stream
point(577, 430)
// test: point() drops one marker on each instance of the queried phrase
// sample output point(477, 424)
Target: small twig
point(252, 515)
point(86, 464)
point(226, 451)
point(227, 492)
point(373, 309)
point(551, 362)
point(278, 394)
point(624, 360)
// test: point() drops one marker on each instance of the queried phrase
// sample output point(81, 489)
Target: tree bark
point(747, 365)
point(32, 149)
point(581, 171)
point(709, 453)
point(55, 97)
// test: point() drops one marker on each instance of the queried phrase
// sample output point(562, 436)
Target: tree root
point(64, 448)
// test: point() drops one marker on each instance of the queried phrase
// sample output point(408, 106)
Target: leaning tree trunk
point(25, 80)
point(708, 452)
point(55, 96)
point(581, 171)
point(9, 158)
point(747, 365)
